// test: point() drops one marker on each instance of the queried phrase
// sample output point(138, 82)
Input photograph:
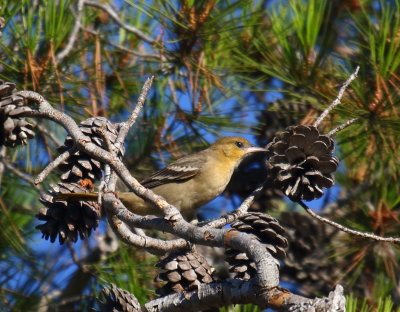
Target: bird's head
point(235, 148)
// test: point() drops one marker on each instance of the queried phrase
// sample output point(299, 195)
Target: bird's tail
point(77, 197)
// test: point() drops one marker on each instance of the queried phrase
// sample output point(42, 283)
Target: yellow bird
point(189, 182)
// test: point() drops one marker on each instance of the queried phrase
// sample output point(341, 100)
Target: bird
point(189, 182)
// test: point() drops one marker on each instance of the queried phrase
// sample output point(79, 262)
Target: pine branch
point(237, 213)
point(347, 230)
point(338, 99)
point(117, 19)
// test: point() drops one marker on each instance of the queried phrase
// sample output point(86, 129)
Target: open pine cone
point(268, 231)
point(118, 300)
point(80, 165)
point(65, 219)
point(301, 163)
point(14, 130)
point(183, 270)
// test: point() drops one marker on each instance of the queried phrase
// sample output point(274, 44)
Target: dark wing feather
point(177, 171)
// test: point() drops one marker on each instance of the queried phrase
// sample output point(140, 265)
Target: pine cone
point(67, 219)
point(308, 263)
point(301, 163)
point(183, 270)
point(80, 165)
point(280, 114)
point(118, 300)
point(268, 231)
point(14, 130)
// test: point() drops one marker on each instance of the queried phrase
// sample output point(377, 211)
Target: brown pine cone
point(65, 219)
point(301, 163)
point(80, 165)
point(118, 300)
point(14, 130)
point(268, 231)
point(183, 270)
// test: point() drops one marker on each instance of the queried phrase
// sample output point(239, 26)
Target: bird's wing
point(178, 171)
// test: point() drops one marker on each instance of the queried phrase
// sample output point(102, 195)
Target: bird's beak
point(255, 149)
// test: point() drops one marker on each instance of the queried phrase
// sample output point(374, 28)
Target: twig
point(147, 56)
point(125, 126)
point(22, 175)
point(54, 164)
point(336, 102)
point(341, 127)
point(237, 213)
point(72, 38)
point(347, 230)
point(47, 133)
point(117, 19)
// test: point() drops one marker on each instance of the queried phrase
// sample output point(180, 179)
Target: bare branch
point(117, 19)
point(72, 38)
point(22, 175)
point(336, 102)
point(47, 133)
point(152, 245)
point(347, 230)
point(342, 126)
point(235, 214)
point(125, 126)
point(234, 291)
point(144, 55)
point(54, 164)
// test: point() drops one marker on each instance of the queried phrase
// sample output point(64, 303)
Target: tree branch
point(72, 38)
point(125, 126)
point(54, 164)
point(117, 19)
point(347, 230)
point(152, 245)
point(144, 55)
point(338, 99)
point(21, 175)
point(341, 127)
point(235, 214)
point(234, 291)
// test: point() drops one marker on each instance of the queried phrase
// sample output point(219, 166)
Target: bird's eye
point(239, 144)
